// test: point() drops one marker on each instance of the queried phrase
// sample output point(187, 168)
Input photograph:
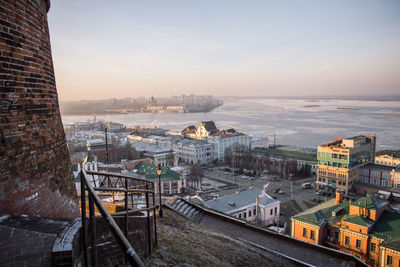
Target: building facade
point(171, 181)
point(387, 160)
point(252, 205)
point(339, 162)
point(367, 228)
point(223, 140)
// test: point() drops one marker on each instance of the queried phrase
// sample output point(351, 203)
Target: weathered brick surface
point(35, 171)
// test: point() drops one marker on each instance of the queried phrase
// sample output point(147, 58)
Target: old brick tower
point(35, 170)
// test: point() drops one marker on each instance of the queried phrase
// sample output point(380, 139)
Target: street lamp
point(159, 189)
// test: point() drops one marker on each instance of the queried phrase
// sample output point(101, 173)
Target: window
point(389, 260)
point(244, 214)
point(249, 213)
point(276, 210)
point(358, 244)
point(312, 235)
point(271, 211)
point(304, 232)
point(240, 216)
point(347, 241)
point(254, 211)
point(373, 247)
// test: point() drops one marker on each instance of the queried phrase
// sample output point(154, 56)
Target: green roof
point(372, 203)
point(323, 213)
point(150, 171)
point(388, 226)
point(359, 220)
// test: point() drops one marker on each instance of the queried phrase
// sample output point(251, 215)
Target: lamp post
point(159, 189)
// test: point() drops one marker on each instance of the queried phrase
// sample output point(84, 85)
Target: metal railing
point(129, 187)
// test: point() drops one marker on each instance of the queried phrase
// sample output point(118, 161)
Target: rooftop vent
point(232, 203)
point(336, 211)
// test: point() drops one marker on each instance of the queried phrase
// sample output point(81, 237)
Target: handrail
point(129, 252)
point(119, 176)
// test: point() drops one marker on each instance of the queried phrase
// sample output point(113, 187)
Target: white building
point(193, 151)
point(258, 141)
point(227, 139)
point(387, 160)
point(206, 128)
point(252, 205)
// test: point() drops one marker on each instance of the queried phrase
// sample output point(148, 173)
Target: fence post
point(83, 218)
point(148, 217)
point(92, 224)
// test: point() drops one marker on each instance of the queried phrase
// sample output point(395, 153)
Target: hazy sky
point(129, 48)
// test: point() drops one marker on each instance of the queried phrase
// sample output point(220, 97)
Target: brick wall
point(35, 170)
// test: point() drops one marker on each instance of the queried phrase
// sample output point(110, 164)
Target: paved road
point(292, 189)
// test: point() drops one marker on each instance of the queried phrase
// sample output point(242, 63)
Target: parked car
point(214, 195)
point(281, 192)
point(277, 190)
point(306, 185)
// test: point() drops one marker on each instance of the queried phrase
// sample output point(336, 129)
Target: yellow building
point(339, 161)
point(367, 228)
point(387, 160)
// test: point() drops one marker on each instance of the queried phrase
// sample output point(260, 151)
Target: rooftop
point(231, 203)
point(210, 126)
point(378, 167)
point(149, 170)
point(371, 203)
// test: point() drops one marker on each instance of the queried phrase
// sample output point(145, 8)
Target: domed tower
point(35, 169)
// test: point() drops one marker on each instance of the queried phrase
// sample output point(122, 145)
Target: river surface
point(298, 122)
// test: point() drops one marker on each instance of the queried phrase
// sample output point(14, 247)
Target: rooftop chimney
point(339, 197)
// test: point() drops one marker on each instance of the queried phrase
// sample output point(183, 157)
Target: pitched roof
point(388, 227)
point(189, 129)
point(231, 203)
point(150, 171)
point(209, 125)
point(372, 203)
point(359, 220)
point(323, 213)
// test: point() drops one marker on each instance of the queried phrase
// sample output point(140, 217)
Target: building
point(304, 163)
point(252, 205)
point(379, 175)
point(193, 151)
point(164, 156)
point(258, 141)
point(171, 181)
point(367, 228)
point(227, 139)
point(387, 160)
point(339, 162)
point(206, 128)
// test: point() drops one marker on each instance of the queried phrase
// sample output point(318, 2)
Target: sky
point(128, 48)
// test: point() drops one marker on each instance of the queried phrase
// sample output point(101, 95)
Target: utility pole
point(291, 189)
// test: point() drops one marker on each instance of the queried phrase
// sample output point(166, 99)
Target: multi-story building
point(367, 228)
point(227, 139)
point(164, 156)
point(387, 160)
point(205, 129)
point(378, 175)
point(252, 205)
point(187, 150)
point(193, 151)
point(339, 161)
